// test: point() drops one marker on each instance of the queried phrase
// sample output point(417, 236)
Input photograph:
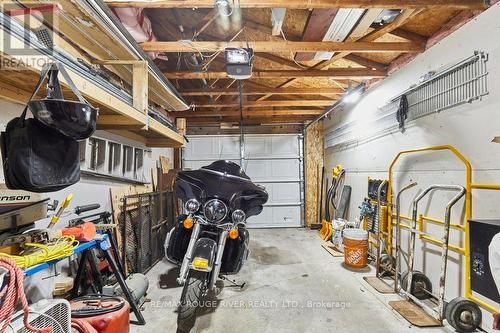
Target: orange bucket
point(355, 248)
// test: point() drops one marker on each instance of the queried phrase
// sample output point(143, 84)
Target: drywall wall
point(470, 128)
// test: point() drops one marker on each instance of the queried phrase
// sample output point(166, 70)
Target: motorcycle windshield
point(223, 180)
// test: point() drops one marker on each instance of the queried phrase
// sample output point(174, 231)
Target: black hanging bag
point(36, 157)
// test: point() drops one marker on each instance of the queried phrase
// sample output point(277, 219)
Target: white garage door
point(273, 161)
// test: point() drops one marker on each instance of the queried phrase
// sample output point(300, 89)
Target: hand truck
point(463, 314)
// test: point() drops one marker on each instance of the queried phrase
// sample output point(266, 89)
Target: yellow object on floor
point(62, 247)
point(326, 230)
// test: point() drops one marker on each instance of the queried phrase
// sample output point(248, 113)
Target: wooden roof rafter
point(300, 4)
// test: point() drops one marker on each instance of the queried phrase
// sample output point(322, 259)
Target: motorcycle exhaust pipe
point(218, 259)
point(189, 254)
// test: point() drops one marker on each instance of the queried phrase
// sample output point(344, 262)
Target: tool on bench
point(59, 212)
point(34, 246)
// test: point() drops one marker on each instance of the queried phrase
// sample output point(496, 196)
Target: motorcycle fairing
point(224, 180)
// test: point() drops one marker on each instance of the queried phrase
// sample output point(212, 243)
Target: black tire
point(192, 294)
point(419, 282)
point(463, 314)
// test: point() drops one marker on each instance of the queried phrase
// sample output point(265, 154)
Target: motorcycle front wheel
point(191, 297)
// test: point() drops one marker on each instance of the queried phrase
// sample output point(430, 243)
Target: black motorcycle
point(211, 239)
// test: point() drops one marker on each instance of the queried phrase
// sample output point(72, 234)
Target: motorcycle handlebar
point(86, 208)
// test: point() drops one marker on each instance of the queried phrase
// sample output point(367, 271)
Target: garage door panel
point(257, 147)
point(281, 193)
point(273, 170)
point(285, 146)
point(276, 217)
point(215, 148)
point(273, 161)
point(196, 164)
point(282, 146)
point(229, 148)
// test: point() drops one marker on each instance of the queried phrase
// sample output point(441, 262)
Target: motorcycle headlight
point(215, 210)
point(238, 216)
point(192, 205)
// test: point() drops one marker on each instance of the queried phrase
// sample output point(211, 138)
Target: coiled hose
point(61, 248)
point(11, 294)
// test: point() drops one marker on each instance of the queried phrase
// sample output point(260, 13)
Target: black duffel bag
point(37, 157)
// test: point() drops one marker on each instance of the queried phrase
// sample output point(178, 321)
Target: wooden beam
point(181, 125)
point(205, 22)
point(409, 35)
point(301, 4)
point(248, 113)
point(161, 143)
point(337, 73)
point(118, 120)
point(277, 19)
point(130, 135)
point(261, 91)
point(366, 62)
point(261, 104)
point(201, 129)
point(140, 86)
point(279, 60)
point(250, 121)
point(281, 46)
point(358, 34)
point(13, 94)
point(317, 25)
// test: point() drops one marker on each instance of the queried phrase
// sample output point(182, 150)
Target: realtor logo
point(27, 33)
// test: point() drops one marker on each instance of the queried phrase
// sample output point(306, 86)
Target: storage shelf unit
point(131, 120)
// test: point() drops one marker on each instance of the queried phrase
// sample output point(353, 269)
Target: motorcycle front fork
point(188, 257)
point(189, 254)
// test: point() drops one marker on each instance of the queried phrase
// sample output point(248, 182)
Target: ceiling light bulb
point(352, 97)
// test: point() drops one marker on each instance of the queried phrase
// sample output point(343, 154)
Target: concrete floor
point(292, 285)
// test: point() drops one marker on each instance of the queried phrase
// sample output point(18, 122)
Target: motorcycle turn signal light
point(188, 223)
point(233, 233)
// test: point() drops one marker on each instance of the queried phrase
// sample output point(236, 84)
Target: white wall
point(470, 128)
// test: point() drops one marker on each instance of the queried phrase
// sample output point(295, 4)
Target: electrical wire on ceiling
point(282, 33)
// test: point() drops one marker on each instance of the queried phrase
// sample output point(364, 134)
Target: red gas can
point(105, 314)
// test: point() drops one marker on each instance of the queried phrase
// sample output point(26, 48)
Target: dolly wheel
point(463, 314)
point(386, 265)
point(421, 285)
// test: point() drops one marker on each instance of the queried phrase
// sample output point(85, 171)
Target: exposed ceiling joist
point(279, 60)
point(337, 73)
point(316, 27)
point(205, 22)
point(301, 4)
point(409, 35)
point(250, 121)
point(266, 104)
point(281, 46)
point(201, 129)
point(262, 91)
point(358, 34)
point(366, 62)
point(359, 30)
point(248, 113)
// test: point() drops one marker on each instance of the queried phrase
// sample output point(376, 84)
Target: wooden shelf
point(17, 85)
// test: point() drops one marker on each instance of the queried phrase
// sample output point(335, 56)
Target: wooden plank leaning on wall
point(313, 151)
